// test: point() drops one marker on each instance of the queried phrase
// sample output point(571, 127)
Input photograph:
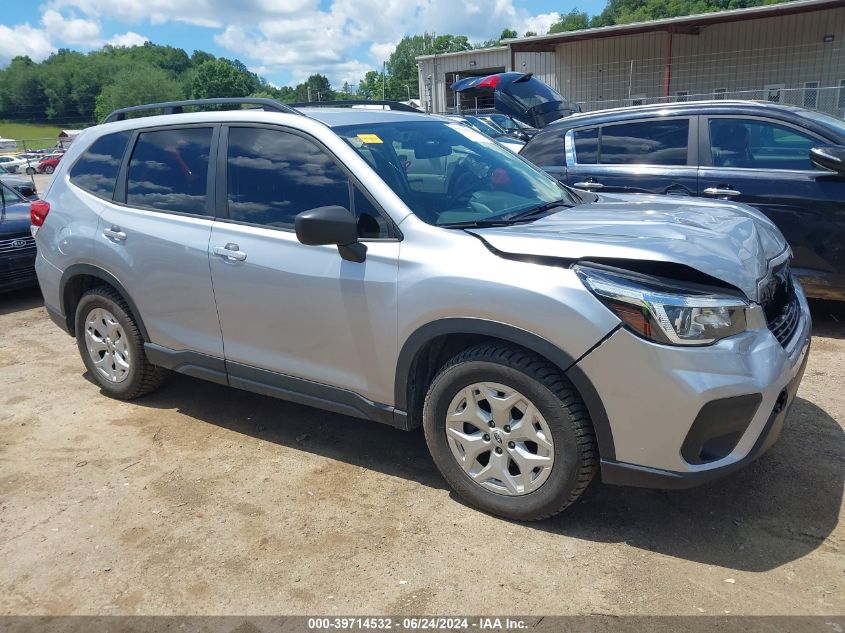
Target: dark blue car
point(786, 161)
point(17, 246)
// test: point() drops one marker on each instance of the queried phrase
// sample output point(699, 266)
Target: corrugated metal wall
point(443, 67)
point(743, 58)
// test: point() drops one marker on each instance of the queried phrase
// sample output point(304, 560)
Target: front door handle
point(590, 183)
point(114, 233)
point(722, 191)
point(230, 252)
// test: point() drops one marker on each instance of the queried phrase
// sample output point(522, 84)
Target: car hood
point(521, 96)
point(732, 242)
point(14, 219)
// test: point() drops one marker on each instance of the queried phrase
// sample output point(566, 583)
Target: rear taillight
point(38, 210)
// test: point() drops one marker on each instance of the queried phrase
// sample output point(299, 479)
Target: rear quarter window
point(96, 169)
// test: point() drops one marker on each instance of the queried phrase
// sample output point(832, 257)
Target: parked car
point(538, 334)
point(12, 163)
point(522, 96)
point(48, 165)
point(761, 154)
point(511, 126)
point(493, 132)
point(22, 185)
point(17, 246)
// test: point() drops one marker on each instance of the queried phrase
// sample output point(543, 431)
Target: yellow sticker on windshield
point(370, 138)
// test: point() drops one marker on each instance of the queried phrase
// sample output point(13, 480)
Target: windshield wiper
point(476, 224)
point(537, 211)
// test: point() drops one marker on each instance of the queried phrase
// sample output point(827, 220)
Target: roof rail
point(349, 103)
point(175, 107)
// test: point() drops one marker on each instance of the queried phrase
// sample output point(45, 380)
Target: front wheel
point(49, 169)
point(30, 171)
point(509, 432)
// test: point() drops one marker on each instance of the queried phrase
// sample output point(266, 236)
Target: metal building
point(788, 53)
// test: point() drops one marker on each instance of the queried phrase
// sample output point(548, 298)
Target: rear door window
point(658, 142)
point(168, 170)
point(96, 169)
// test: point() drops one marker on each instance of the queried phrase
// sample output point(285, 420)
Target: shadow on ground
point(775, 511)
point(20, 300)
point(828, 318)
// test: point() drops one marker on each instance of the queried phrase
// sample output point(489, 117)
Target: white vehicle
point(13, 163)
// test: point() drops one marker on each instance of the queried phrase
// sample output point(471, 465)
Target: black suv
point(767, 155)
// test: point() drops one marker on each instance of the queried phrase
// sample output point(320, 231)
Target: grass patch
point(36, 136)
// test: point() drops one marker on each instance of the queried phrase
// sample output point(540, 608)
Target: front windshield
point(450, 174)
point(483, 127)
point(504, 122)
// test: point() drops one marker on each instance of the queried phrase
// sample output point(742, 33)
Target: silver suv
point(401, 268)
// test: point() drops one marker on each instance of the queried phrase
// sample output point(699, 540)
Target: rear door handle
point(721, 191)
point(230, 252)
point(590, 183)
point(114, 233)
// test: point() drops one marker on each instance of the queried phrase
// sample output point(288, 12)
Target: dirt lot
point(201, 499)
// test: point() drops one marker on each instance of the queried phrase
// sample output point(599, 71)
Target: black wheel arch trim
point(417, 341)
point(77, 270)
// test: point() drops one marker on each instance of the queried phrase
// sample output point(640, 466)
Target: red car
point(48, 165)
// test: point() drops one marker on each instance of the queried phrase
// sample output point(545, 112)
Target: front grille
point(784, 325)
point(780, 304)
point(17, 276)
point(16, 245)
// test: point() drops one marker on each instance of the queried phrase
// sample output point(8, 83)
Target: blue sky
point(283, 40)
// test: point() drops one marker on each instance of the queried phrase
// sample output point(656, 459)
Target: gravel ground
point(201, 499)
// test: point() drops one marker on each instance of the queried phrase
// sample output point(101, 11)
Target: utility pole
point(383, 78)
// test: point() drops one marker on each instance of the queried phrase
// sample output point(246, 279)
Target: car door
point(656, 155)
point(765, 163)
point(153, 236)
point(300, 319)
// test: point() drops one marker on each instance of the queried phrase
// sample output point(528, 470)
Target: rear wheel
point(49, 169)
point(509, 432)
point(112, 347)
point(30, 171)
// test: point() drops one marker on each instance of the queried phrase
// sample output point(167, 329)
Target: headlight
point(663, 313)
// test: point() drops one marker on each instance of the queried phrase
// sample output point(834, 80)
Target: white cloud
point(23, 40)
point(70, 30)
point(539, 24)
point(128, 39)
point(299, 37)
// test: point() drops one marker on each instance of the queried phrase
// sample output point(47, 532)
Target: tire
point(562, 414)
point(49, 169)
point(30, 171)
point(133, 375)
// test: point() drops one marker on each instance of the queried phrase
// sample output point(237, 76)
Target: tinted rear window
point(662, 142)
point(169, 170)
point(96, 170)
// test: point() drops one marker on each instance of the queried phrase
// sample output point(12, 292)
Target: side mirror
point(830, 157)
point(331, 225)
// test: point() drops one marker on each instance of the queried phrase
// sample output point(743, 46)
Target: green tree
point(572, 21)
point(140, 84)
point(315, 88)
point(508, 34)
point(530, 34)
point(219, 78)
